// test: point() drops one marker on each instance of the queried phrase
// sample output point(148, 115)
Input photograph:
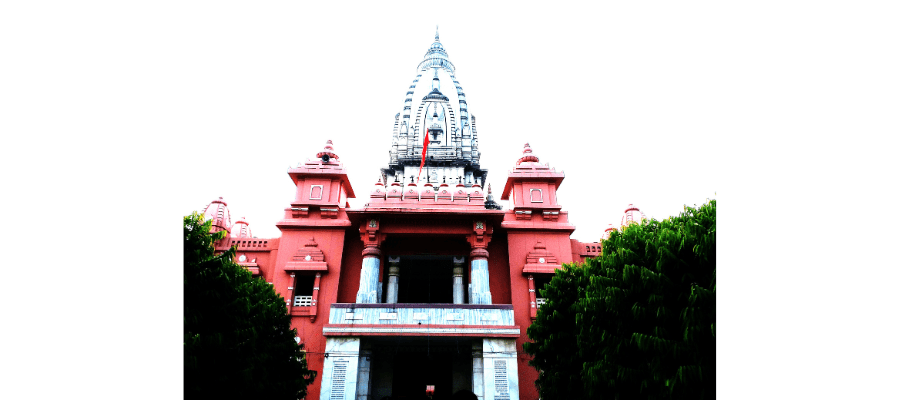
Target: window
point(536, 196)
point(315, 192)
point(540, 283)
point(303, 289)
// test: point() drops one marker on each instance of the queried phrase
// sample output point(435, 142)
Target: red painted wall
point(351, 267)
point(331, 242)
point(498, 269)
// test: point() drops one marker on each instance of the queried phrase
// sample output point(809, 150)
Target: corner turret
point(322, 185)
point(532, 186)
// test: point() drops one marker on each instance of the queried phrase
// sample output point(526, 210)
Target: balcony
point(481, 320)
point(302, 301)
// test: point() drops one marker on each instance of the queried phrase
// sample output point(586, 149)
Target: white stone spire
point(443, 113)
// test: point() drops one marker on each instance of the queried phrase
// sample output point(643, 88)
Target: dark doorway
point(403, 366)
point(412, 372)
point(425, 279)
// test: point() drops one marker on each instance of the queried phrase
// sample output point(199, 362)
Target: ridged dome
point(217, 211)
point(241, 229)
point(633, 215)
point(606, 232)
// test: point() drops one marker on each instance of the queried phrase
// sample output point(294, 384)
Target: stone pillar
point(290, 293)
point(531, 296)
point(501, 369)
point(477, 368)
point(368, 278)
point(393, 279)
point(481, 286)
point(458, 297)
point(315, 299)
point(340, 372)
point(364, 379)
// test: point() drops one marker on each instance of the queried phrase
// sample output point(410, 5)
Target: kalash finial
point(527, 156)
point(489, 202)
point(328, 152)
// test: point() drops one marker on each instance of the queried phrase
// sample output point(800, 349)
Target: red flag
point(424, 150)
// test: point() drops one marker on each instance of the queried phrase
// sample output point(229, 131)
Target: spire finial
point(527, 155)
point(328, 152)
point(437, 38)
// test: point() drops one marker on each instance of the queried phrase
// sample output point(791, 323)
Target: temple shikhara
point(431, 283)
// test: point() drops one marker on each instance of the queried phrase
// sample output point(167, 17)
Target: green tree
point(238, 341)
point(554, 335)
point(645, 319)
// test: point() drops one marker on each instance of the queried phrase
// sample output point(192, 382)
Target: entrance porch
point(372, 368)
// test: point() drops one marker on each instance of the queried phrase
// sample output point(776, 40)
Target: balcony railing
point(302, 301)
point(400, 319)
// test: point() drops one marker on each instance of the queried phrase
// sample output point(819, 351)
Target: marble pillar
point(478, 368)
point(458, 280)
point(393, 279)
point(364, 377)
point(341, 370)
point(368, 277)
point(481, 286)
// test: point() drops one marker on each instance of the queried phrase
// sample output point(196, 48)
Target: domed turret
point(217, 211)
point(527, 155)
point(412, 191)
point(327, 153)
point(606, 232)
point(241, 229)
point(427, 192)
point(378, 192)
point(633, 215)
point(476, 196)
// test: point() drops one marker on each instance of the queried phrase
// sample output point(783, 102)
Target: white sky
point(629, 121)
point(120, 117)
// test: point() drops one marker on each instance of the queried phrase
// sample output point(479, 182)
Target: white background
point(119, 118)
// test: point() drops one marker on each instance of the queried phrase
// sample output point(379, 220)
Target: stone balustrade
point(420, 319)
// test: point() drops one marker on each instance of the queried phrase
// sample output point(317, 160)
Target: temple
point(431, 285)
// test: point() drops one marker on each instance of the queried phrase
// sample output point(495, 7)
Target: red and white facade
point(429, 283)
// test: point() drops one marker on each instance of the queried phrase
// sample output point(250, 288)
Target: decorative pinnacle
point(527, 156)
point(437, 37)
point(328, 152)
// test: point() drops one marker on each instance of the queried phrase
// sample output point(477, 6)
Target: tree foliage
point(238, 340)
point(644, 321)
point(555, 336)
